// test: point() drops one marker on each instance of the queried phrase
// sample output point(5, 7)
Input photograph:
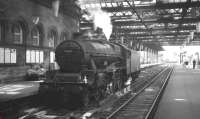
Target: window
point(52, 57)
point(35, 37)
point(8, 56)
point(0, 32)
point(52, 36)
point(17, 34)
point(2, 29)
point(2, 55)
point(63, 36)
point(34, 56)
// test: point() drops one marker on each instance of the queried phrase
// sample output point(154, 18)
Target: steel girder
point(153, 21)
point(164, 20)
point(159, 6)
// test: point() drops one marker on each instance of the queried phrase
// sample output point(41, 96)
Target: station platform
point(181, 98)
point(18, 90)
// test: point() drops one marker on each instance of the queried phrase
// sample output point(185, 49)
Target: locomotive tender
point(93, 68)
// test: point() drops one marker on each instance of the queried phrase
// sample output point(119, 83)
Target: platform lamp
point(55, 6)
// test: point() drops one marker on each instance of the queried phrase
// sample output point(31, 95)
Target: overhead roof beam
point(131, 17)
point(155, 6)
point(164, 37)
point(130, 23)
point(175, 21)
point(166, 21)
point(171, 42)
point(192, 27)
point(133, 10)
point(183, 14)
point(153, 35)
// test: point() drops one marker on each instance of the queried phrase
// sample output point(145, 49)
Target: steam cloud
point(100, 18)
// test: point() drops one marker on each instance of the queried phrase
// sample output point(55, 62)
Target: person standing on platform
point(194, 63)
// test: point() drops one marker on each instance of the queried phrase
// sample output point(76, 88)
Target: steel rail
point(152, 109)
point(136, 94)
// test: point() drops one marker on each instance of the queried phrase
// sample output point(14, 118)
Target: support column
point(147, 51)
point(151, 59)
point(156, 56)
point(154, 61)
point(122, 40)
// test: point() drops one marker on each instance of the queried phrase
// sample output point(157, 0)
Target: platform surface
point(181, 98)
point(18, 90)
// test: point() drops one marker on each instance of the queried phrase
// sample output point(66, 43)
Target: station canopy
point(154, 22)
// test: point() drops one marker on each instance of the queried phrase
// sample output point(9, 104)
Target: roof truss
point(163, 23)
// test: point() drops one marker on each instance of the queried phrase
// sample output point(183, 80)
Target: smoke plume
point(100, 18)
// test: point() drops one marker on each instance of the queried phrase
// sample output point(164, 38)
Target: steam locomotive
point(92, 69)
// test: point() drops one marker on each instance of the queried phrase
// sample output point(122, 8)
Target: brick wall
point(26, 11)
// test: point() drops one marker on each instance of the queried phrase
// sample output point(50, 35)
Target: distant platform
point(147, 65)
point(181, 98)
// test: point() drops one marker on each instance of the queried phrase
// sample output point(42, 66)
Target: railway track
point(144, 78)
point(45, 112)
point(141, 103)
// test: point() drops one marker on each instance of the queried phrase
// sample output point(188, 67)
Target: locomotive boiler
point(92, 68)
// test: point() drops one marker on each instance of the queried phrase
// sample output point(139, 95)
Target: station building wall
point(29, 33)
